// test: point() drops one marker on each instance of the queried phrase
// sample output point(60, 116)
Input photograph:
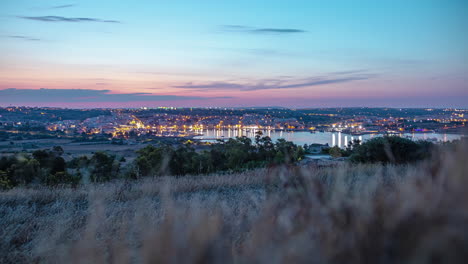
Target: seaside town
point(234, 132)
point(190, 122)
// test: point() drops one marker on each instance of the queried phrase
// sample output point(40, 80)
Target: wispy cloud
point(66, 19)
point(278, 83)
point(349, 72)
point(256, 30)
point(62, 6)
point(213, 85)
point(277, 30)
point(23, 38)
point(43, 95)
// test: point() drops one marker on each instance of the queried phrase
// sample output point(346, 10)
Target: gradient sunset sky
point(102, 53)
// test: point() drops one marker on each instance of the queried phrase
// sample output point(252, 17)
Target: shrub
point(335, 152)
point(391, 149)
point(235, 154)
point(5, 182)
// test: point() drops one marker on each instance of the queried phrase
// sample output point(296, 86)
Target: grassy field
point(340, 214)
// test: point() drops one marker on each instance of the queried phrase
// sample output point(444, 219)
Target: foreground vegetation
point(386, 149)
point(353, 213)
point(47, 167)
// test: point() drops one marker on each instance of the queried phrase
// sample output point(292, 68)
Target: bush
point(235, 154)
point(43, 166)
point(5, 182)
point(335, 152)
point(104, 167)
point(391, 149)
point(62, 177)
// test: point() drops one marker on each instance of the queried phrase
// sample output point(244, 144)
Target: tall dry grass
point(343, 214)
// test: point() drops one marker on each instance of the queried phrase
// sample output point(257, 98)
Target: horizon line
point(230, 107)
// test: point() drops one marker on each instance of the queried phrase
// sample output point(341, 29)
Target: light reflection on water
point(304, 137)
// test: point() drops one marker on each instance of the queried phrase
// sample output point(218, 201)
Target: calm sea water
point(303, 137)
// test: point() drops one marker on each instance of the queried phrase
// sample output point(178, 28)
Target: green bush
point(391, 149)
point(43, 166)
point(235, 154)
point(335, 152)
point(5, 182)
point(104, 167)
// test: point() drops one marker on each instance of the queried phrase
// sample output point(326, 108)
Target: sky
point(212, 53)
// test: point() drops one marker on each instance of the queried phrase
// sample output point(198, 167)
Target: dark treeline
point(231, 155)
point(390, 149)
point(42, 167)
point(49, 168)
point(387, 149)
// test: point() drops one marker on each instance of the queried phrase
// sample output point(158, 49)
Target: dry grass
point(344, 214)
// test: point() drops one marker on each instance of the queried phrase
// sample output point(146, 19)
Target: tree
point(63, 177)
point(289, 152)
point(58, 165)
point(42, 156)
point(25, 170)
point(391, 149)
point(58, 150)
point(152, 160)
point(335, 152)
point(104, 167)
point(231, 155)
point(266, 149)
point(258, 136)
